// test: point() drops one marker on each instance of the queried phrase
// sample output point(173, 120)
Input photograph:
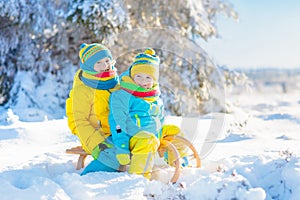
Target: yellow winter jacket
point(87, 110)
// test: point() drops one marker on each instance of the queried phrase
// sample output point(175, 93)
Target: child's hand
point(124, 159)
point(122, 151)
point(100, 147)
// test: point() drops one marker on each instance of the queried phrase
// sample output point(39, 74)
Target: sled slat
point(82, 156)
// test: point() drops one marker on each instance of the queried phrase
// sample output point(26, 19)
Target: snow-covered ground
point(256, 155)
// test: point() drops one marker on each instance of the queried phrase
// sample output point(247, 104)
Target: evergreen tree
point(41, 39)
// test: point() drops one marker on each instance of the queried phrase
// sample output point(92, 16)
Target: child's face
point(143, 80)
point(103, 65)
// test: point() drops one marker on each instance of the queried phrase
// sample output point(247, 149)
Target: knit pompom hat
point(147, 63)
point(89, 54)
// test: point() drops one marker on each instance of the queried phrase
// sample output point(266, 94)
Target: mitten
point(124, 159)
point(123, 154)
point(100, 147)
point(121, 141)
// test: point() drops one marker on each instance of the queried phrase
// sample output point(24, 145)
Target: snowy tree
point(26, 37)
point(40, 41)
point(189, 79)
point(103, 19)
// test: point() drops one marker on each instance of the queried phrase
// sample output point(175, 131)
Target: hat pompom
point(82, 45)
point(150, 51)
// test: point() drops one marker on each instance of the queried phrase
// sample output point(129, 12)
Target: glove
point(100, 147)
point(124, 159)
point(121, 141)
point(123, 154)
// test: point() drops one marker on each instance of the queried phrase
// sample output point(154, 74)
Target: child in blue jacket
point(137, 115)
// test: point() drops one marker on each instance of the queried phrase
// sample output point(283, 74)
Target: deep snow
point(255, 155)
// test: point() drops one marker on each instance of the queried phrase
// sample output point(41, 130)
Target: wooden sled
point(82, 155)
point(166, 144)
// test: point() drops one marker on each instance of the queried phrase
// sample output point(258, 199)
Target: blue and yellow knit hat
point(147, 62)
point(89, 54)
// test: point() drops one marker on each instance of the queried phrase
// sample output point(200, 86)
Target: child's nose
point(107, 66)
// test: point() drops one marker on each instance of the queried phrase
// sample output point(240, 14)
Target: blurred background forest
point(40, 42)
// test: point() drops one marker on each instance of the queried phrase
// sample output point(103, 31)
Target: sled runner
point(193, 158)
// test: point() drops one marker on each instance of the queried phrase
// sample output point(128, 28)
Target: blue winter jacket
point(130, 114)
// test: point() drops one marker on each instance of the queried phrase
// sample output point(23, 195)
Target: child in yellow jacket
point(87, 107)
